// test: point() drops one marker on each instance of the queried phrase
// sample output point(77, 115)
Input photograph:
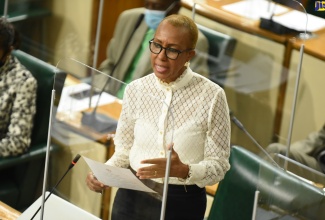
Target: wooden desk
point(112, 110)
point(74, 123)
point(314, 46)
point(8, 213)
point(213, 10)
point(211, 190)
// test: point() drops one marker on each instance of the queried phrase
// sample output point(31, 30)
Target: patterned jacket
point(17, 107)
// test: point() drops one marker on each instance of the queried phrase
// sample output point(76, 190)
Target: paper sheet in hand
point(116, 176)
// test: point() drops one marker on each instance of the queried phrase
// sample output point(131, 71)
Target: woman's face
point(168, 36)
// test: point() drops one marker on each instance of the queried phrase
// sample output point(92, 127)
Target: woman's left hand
point(157, 167)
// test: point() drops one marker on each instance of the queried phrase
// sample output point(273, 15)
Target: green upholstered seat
point(221, 49)
point(20, 190)
point(20, 10)
point(234, 198)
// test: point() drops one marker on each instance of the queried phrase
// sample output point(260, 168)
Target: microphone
point(100, 122)
point(275, 27)
point(73, 162)
point(241, 127)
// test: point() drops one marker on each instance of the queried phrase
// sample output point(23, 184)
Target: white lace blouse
point(191, 112)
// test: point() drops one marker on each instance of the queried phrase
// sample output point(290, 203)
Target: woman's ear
point(191, 54)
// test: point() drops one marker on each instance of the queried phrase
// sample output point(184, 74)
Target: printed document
point(116, 176)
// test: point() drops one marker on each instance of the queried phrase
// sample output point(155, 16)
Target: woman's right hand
point(93, 184)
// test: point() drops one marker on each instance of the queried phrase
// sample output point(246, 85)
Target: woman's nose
point(162, 55)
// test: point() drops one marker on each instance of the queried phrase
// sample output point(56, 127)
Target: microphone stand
point(167, 172)
point(98, 31)
point(193, 11)
point(75, 160)
point(293, 111)
point(165, 191)
point(47, 151)
point(5, 9)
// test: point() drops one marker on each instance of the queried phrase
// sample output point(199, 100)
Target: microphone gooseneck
point(241, 127)
point(73, 162)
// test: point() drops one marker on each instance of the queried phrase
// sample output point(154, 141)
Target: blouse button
point(161, 153)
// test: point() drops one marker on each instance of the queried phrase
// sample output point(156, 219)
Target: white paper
point(297, 20)
point(116, 176)
point(254, 9)
point(70, 104)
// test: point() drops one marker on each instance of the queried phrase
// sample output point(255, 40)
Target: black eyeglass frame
point(167, 48)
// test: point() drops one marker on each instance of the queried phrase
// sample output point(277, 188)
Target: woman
point(17, 97)
point(194, 115)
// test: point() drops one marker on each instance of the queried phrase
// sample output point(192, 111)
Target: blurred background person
point(128, 52)
point(17, 96)
point(309, 152)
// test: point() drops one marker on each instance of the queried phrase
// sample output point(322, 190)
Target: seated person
point(139, 24)
point(309, 151)
point(17, 96)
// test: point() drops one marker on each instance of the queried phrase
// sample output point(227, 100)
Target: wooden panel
point(211, 190)
point(111, 10)
point(6, 212)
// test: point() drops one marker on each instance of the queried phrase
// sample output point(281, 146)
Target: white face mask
point(154, 17)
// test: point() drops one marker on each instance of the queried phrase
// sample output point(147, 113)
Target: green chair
point(221, 49)
point(22, 189)
point(234, 198)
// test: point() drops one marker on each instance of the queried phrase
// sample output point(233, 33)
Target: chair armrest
point(37, 151)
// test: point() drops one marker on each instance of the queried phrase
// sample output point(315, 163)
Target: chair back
point(234, 198)
point(221, 49)
point(21, 188)
point(47, 76)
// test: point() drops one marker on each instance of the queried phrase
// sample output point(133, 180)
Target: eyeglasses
point(171, 53)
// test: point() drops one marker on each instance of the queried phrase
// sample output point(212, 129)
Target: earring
point(187, 64)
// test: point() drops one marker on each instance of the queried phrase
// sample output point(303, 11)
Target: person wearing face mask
point(129, 61)
point(195, 109)
point(17, 96)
